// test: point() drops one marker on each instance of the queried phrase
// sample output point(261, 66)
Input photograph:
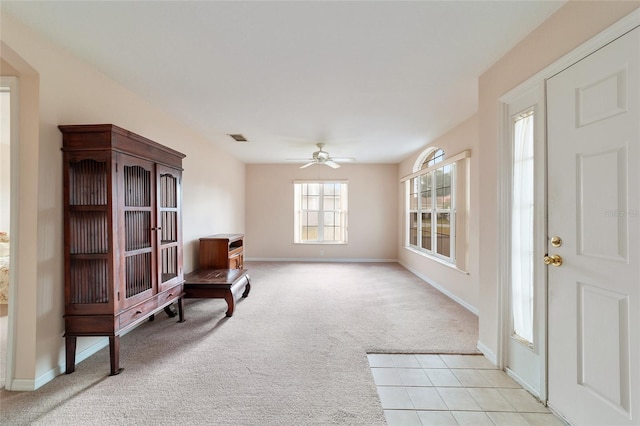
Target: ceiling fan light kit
point(323, 157)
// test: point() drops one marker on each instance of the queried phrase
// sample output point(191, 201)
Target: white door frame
point(525, 96)
point(536, 82)
point(11, 84)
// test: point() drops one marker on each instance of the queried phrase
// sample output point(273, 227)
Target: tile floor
point(418, 389)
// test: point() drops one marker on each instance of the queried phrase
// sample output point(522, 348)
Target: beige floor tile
point(430, 361)
point(472, 418)
point(402, 418)
point(437, 418)
point(507, 419)
point(442, 377)
point(523, 401)
point(543, 419)
point(405, 361)
point(499, 379)
point(380, 360)
point(413, 377)
point(386, 377)
point(426, 398)
point(458, 399)
point(490, 399)
point(394, 398)
point(471, 378)
point(429, 389)
point(467, 361)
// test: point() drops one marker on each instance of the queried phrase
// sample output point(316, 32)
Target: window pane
point(440, 198)
point(311, 202)
point(425, 188)
point(413, 194)
point(329, 188)
point(329, 219)
point(439, 177)
point(522, 215)
point(443, 231)
point(329, 203)
point(309, 226)
point(313, 188)
point(443, 184)
point(413, 229)
point(332, 226)
point(426, 231)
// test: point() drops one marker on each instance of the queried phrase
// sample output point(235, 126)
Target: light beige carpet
point(294, 353)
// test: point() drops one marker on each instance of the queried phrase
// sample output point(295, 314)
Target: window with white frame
point(320, 212)
point(431, 207)
point(522, 225)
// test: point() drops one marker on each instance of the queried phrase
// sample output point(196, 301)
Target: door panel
point(593, 121)
point(602, 236)
point(602, 323)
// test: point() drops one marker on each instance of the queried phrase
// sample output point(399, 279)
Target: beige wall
point(57, 88)
point(219, 191)
point(373, 217)
point(460, 283)
point(572, 25)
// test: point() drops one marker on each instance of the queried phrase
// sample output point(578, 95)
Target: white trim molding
point(319, 259)
point(443, 290)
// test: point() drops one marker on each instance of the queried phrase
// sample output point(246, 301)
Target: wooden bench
point(227, 284)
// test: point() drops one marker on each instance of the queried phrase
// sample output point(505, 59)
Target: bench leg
point(247, 289)
point(180, 310)
point(231, 303)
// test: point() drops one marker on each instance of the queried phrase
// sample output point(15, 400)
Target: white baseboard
point(524, 384)
point(443, 290)
point(43, 379)
point(488, 353)
point(318, 259)
point(21, 385)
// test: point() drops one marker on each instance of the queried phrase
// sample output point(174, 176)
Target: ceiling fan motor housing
point(320, 155)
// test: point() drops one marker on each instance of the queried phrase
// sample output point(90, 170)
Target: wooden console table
point(230, 284)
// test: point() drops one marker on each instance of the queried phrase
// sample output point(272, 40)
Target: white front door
point(593, 118)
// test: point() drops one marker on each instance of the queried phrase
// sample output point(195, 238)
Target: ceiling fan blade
point(307, 165)
point(343, 159)
point(331, 164)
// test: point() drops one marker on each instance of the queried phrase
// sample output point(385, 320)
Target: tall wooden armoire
point(122, 233)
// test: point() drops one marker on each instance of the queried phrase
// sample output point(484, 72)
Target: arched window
point(434, 157)
point(431, 205)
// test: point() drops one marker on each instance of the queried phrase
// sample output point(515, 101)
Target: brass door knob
point(554, 260)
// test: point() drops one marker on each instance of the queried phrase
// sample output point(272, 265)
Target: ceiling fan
point(323, 157)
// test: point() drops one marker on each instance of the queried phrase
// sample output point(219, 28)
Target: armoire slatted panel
point(89, 281)
point(137, 180)
point(88, 183)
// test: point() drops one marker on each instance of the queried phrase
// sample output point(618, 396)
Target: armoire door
point(136, 194)
point(169, 231)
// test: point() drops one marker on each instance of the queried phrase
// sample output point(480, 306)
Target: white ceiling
point(374, 80)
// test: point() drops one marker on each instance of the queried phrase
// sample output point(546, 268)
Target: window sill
point(436, 259)
point(321, 243)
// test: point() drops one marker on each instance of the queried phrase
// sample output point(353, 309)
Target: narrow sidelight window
point(522, 227)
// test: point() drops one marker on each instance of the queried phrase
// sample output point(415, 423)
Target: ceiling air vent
point(238, 137)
